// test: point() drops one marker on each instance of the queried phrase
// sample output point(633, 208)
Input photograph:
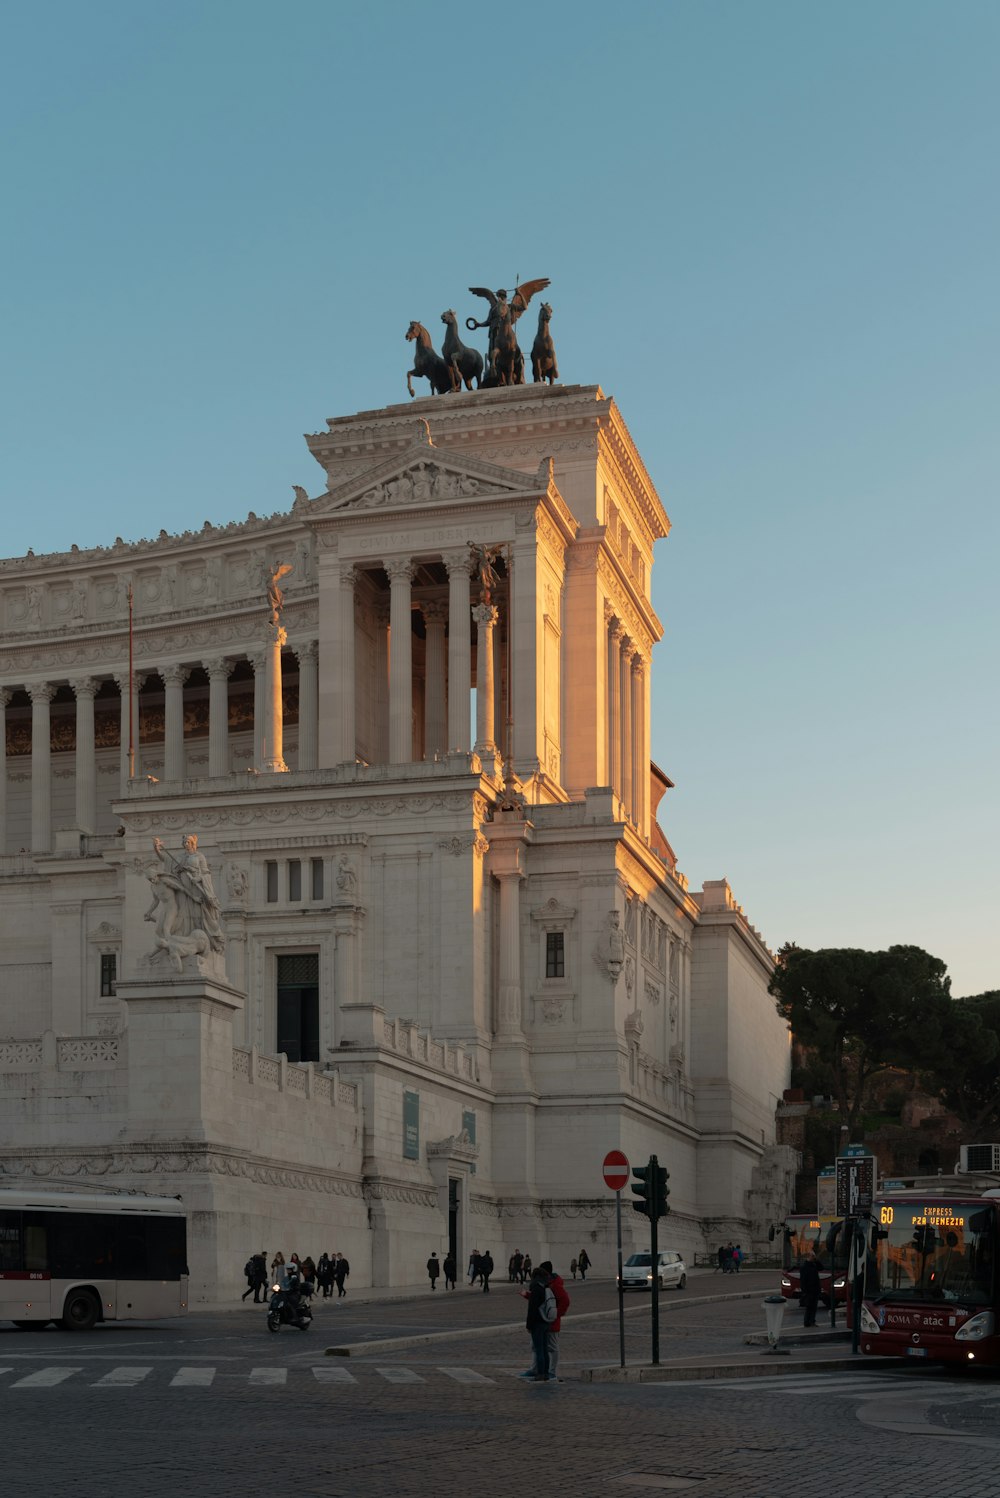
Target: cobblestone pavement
point(214, 1405)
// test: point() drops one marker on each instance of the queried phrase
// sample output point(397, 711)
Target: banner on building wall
point(469, 1127)
point(411, 1126)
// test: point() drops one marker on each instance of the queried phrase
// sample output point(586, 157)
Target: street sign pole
point(621, 1287)
point(654, 1207)
point(616, 1175)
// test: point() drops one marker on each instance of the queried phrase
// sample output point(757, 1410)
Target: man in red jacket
point(561, 1294)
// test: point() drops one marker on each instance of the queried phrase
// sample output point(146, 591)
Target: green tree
point(864, 1012)
point(964, 1071)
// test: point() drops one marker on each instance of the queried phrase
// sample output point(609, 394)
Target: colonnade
point(174, 677)
point(628, 722)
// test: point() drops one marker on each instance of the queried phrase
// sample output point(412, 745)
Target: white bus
point(81, 1257)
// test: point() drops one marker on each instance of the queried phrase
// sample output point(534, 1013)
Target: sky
point(771, 230)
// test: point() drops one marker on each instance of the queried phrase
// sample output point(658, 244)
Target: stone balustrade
point(62, 1053)
point(278, 1074)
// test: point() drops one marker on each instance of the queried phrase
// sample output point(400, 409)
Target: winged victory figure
point(505, 362)
point(275, 596)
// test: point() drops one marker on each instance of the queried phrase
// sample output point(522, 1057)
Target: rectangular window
point(317, 878)
point(555, 954)
point(294, 879)
point(411, 1126)
point(271, 870)
point(298, 1006)
point(109, 974)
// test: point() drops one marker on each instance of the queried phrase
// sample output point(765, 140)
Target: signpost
point(616, 1176)
point(855, 1184)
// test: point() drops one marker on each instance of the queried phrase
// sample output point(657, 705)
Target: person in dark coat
point(341, 1269)
point(449, 1271)
point(538, 1327)
point(485, 1270)
point(809, 1281)
point(433, 1270)
point(583, 1263)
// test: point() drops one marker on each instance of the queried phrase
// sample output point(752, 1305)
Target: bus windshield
point(941, 1252)
point(803, 1235)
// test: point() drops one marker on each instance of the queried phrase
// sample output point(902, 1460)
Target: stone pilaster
point(41, 694)
point(486, 616)
point(259, 662)
point(84, 690)
point(400, 570)
point(307, 653)
point(625, 716)
point(347, 727)
point(435, 725)
point(459, 649)
point(4, 700)
point(614, 708)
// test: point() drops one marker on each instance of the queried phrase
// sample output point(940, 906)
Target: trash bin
point(774, 1309)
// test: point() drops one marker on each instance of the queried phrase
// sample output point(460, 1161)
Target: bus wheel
point(682, 1282)
point(80, 1312)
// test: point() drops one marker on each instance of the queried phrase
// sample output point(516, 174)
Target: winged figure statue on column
point(505, 362)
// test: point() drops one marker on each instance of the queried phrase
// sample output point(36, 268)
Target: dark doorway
point(453, 1221)
point(298, 1006)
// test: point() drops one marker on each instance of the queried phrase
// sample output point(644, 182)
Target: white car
point(637, 1271)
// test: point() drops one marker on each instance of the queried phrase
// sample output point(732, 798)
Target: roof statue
point(483, 557)
point(505, 362)
point(458, 365)
point(275, 596)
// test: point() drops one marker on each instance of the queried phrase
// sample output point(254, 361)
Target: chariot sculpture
point(458, 365)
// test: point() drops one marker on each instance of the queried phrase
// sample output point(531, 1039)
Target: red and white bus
point(931, 1286)
point(804, 1232)
point(79, 1258)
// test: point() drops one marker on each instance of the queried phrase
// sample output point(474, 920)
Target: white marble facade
point(461, 964)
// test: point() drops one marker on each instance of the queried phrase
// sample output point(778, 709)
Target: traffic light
point(643, 1186)
point(662, 1191)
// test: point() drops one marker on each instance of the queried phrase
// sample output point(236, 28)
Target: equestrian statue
point(458, 364)
point(505, 362)
point(428, 364)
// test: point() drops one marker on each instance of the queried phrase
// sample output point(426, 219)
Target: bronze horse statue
point(467, 362)
point(506, 362)
point(543, 353)
point(428, 364)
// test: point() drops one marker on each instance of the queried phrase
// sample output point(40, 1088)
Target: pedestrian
point(449, 1271)
point(558, 1288)
point(277, 1265)
point(572, 1267)
point(721, 1256)
point(473, 1266)
point(324, 1274)
point(485, 1270)
point(737, 1259)
point(308, 1277)
point(248, 1276)
point(809, 1281)
point(525, 1268)
point(727, 1262)
point(583, 1263)
point(341, 1269)
point(512, 1268)
point(538, 1323)
point(256, 1273)
point(433, 1270)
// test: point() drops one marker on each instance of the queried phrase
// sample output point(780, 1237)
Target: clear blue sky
point(772, 233)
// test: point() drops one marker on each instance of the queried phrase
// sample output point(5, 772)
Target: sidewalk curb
point(673, 1373)
point(400, 1344)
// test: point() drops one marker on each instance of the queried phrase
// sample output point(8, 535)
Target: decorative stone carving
point(185, 908)
point(347, 879)
point(634, 1025)
point(610, 950)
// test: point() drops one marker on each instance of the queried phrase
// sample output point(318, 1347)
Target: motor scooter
point(288, 1309)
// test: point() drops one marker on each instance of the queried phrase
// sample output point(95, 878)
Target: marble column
point(400, 570)
point(173, 678)
point(41, 694)
point(347, 728)
point(4, 700)
point(273, 761)
point(459, 649)
point(486, 616)
point(380, 695)
point(636, 698)
point(84, 690)
point(509, 1021)
point(614, 708)
point(435, 723)
point(219, 671)
point(259, 662)
point(128, 702)
point(307, 653)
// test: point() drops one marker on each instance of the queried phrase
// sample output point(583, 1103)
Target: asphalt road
point(214, 1404)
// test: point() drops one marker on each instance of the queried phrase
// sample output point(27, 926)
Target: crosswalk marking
point(400, 1375)
point(45, 1378)
point(268, 1376)
point(333, 1376)
point(810, 1385)
point(192, 1378)
point(122, 1378)
point(466, 1376)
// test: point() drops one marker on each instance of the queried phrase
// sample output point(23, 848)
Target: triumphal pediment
point(424, 475)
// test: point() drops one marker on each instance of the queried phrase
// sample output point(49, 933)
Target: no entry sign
point(616, 1170)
